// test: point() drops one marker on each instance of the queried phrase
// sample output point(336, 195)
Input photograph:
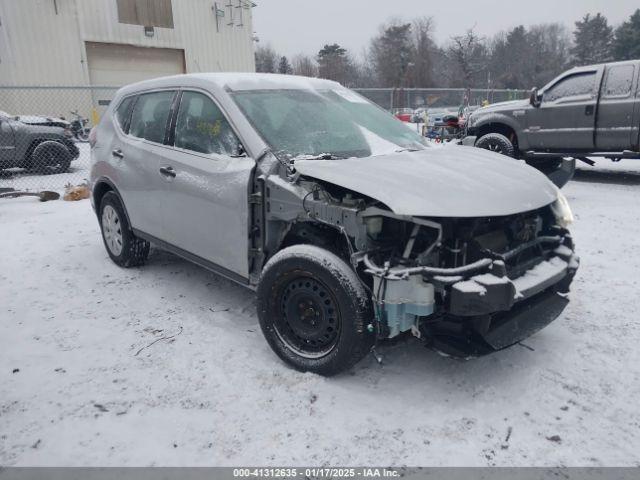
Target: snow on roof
point(237, 81)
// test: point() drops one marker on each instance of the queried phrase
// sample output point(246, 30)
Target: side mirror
point(240, 151)
point(535, 99)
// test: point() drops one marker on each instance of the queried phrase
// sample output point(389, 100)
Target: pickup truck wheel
point(123, 247)
point(496, 142)
point(314, 311)
point(50, 158)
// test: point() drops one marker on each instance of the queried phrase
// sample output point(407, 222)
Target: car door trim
point(214, 267)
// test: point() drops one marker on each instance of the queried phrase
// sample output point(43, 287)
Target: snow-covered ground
point(166, 365)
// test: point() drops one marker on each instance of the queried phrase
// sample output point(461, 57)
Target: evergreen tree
point(626, 45)
point(593, 40)
point(392, 53)
point(284, 67)
point(335, 64)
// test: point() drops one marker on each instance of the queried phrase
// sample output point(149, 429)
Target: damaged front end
point(471, 286)
point(466, 286)
point(494, 283)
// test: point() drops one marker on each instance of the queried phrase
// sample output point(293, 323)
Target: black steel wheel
point(309, 317)
point(313, 310)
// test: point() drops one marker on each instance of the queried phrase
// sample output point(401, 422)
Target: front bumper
point(491, 312)
point(492, 303)
point(495, 292)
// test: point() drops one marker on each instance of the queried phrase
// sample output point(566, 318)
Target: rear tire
point(50, 158)
point(497, 143)
point(123, 247)
point(313, 310)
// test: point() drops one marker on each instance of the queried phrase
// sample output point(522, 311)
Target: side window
point(150, 115)
point(619, 81)
point(201, 127)
point(579, 84)
point(124, 112)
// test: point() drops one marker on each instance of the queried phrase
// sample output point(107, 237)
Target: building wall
point(42, 42)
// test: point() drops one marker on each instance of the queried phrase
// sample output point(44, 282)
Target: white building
point(115, 42)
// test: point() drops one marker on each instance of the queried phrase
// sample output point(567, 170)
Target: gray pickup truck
point(591, 111)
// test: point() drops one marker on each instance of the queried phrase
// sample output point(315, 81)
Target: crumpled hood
point(451, 181)
point(502, 106)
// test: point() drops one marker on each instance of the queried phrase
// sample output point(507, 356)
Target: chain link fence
point(44, 135)
point(394, 99)
point(44, 130)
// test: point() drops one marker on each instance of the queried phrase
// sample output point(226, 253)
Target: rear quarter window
point(123, 113)
point(619, 81)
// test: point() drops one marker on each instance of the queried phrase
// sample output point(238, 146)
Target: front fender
point(498, 118)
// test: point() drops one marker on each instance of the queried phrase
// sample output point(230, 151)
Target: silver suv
point(349, 225)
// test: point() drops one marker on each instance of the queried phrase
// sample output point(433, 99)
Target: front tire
point(314, 311)
point(123, 247)
point(497, 143)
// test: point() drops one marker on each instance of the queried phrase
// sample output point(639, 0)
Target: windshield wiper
point(322, 156)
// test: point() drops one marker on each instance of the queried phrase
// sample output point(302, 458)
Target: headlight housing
point(562, 211)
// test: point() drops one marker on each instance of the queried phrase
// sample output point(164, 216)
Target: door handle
point(117, 153)
point(168, 172)
point(588, 111)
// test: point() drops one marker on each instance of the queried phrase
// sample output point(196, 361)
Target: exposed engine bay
point(467, 286)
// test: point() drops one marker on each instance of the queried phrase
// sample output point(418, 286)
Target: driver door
point(565, 119)
point(205, 207)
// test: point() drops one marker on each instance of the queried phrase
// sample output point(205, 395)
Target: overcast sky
point(293, 26)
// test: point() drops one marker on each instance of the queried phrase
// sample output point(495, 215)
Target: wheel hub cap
point(112, 230)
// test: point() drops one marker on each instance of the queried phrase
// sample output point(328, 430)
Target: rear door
point(138, 155)
point(565, 120)
point(205, 206)
point(615, 123)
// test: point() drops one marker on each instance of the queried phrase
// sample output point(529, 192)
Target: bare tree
point(266, 59)
point(468, 54)
point(424, 47)
point(305, 65)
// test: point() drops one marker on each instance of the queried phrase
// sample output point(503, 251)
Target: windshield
point(336, 123)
